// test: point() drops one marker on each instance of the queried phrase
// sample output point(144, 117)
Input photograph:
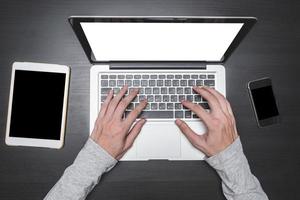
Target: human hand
point(111, 131)
point(220, 123)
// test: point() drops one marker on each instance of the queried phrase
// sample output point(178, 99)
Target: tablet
point(37, 105)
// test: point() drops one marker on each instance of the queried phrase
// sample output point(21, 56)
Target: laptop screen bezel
point(76, 21)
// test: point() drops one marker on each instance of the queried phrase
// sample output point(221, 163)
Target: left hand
point(111, 131)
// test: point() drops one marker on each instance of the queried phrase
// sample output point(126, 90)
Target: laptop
point(163, 57)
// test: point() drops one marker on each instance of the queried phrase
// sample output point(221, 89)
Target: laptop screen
point(200, 39)
point(160, 41)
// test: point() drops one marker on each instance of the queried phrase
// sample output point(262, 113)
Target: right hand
point(220, 123)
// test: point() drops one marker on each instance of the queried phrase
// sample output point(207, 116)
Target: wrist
point(233, 151)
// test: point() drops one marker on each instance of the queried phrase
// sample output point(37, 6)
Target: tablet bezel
point(34, 142)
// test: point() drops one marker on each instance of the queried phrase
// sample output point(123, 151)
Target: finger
point(135, 113)
point(105, 104)
point(101, 114)
point(221, 99)
point(136, 129)
point(124, 103)
point(115, 101)
point(196, 140)
point(211, 99)
point(199, 110)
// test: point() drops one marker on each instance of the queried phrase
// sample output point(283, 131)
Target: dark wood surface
point(38, 31)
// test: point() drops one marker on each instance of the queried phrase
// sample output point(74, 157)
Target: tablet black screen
point(37, 105)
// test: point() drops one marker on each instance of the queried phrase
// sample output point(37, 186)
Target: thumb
point(195, 140)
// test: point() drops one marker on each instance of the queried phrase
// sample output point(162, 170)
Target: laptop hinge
point(157, 65)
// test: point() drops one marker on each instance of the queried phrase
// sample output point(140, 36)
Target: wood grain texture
point(38, 31)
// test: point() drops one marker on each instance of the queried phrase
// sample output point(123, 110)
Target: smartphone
point(263, 102)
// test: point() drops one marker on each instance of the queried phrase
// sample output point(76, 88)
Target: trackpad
point(160, 140)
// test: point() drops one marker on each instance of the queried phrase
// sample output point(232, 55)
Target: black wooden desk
point(38, 31)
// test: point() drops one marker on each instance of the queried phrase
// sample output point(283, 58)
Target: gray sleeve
point(85, 172)
point(238, 182)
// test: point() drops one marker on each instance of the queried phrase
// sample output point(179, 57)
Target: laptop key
point(197, 98)
point(202, 76)
point(204, 105)
point(142, 97)
point(112, 83)
point(120, 83)
point(168, 82)
point(187, 90)
point(105, 90)
point(103, 98)
point(188, 114)
point(166, 98)
point(191, 82)
point(156, 114)
point(186, 76)
point(103, 76)
point(171, 90)
point(211, 76)
point(195, 116)
point(145, 76)
point(130, 106)
point(199, 82)
point(153, 76)
point(175, 82)
point(155, 90)
point(112, 76)
point(160, 82)
point(170, 76)
point(136, 82)
point(157, 98)
point(129, 76)
point(178, 114)
point(178, 106)
point(189, 97)
point(137, 76)
point(141, 91)
point(178, 76)
point(104, 83)
point(163, 91)
point(183, 83)
point(154, 106)
point(151, 82)
point(161, 76)
point(209, 82)
point(170, 106)
point(128, 82)
point(144, 83)
point(121, 76)
point(162, 106)
point(179, 90)
point(173, 98)
point(150, 98)
point(181, 98)
point(148, 90)
point(194, 76)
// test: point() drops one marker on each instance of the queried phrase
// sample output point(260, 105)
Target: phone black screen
point(37, 105)
point(264, 102)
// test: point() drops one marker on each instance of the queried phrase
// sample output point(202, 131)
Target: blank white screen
point(111, 41)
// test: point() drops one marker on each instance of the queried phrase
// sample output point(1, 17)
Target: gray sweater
point(82, 176)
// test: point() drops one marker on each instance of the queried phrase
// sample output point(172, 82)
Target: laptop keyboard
point(163, 92)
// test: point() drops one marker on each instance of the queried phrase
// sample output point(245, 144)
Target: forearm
point(238, 182)
point(85, 172)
